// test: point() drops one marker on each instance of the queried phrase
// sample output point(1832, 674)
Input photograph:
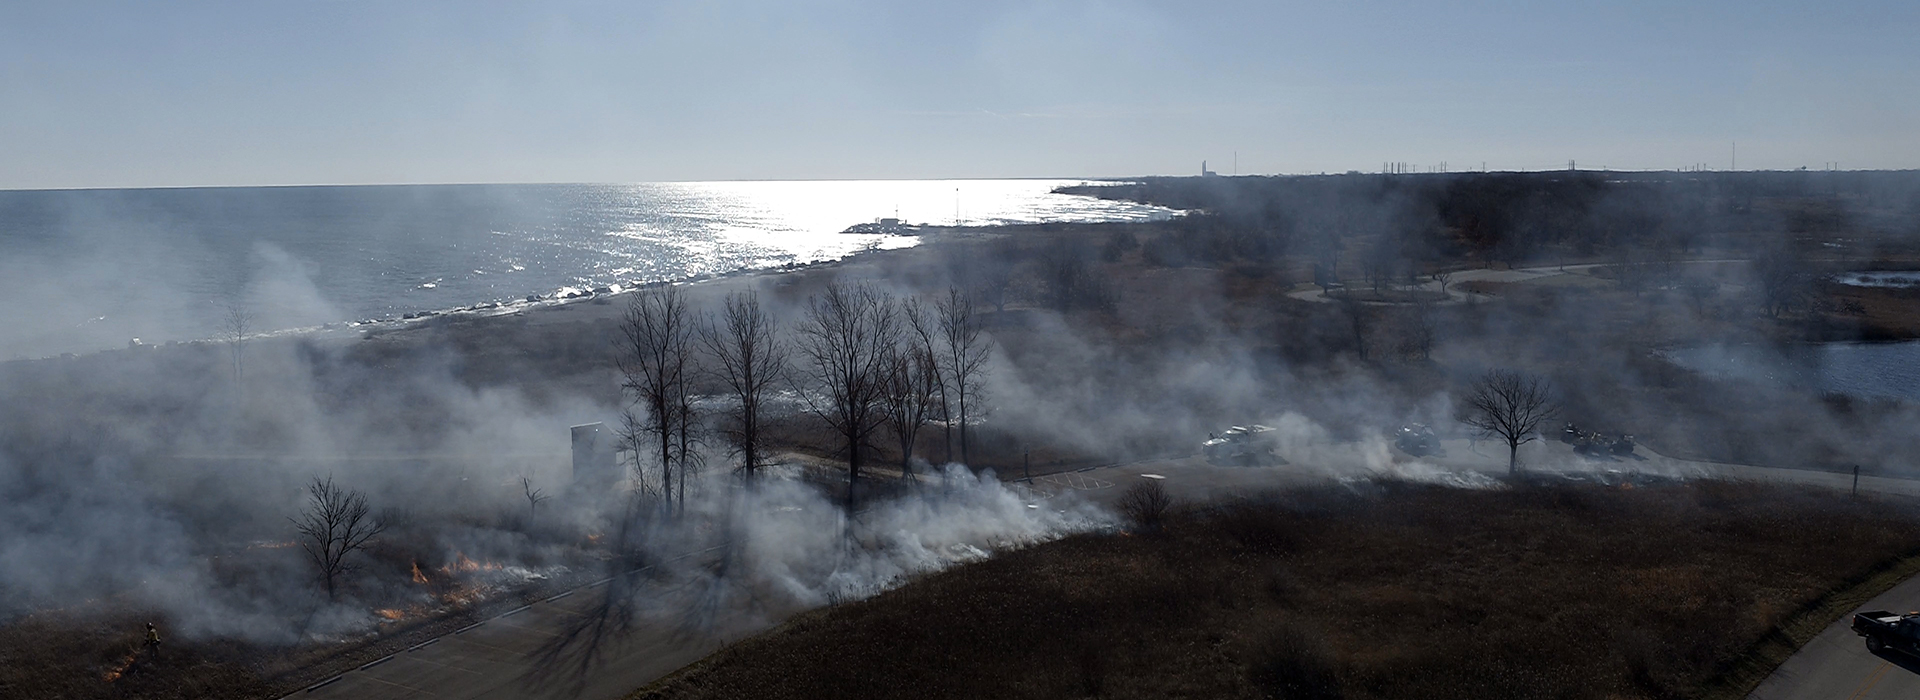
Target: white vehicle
point(1251, 444)
point(1418, 440)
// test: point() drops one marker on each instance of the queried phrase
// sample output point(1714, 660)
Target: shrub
point(1146, 504)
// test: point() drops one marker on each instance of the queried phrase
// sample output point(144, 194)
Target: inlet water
point(1890, 370)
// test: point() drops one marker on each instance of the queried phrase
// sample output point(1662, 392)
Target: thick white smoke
point(794, 547)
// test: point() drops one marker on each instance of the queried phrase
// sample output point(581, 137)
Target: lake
point(1889, 370)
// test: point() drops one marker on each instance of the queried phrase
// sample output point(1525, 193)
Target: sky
point(146, 94)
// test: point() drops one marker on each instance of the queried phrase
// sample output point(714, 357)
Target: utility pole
point(1733, 161)
point(1856, 481)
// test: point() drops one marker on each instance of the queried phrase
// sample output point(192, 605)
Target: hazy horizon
point(209, 94)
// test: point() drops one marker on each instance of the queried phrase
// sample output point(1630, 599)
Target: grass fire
point(1324, 436)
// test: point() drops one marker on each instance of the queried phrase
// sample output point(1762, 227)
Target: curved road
point(1837, 666)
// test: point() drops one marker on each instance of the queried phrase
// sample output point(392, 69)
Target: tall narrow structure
point(593, 464)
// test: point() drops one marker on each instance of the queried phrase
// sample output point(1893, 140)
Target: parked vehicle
point(1593, 442)
point(1416, 439)
point(1252, 444)
point(1886, 630)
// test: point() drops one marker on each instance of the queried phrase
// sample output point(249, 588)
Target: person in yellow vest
point(153, 641)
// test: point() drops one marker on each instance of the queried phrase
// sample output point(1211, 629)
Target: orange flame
point(390, 613)
point(115, 674)
point(464, 565)
point(417, 576)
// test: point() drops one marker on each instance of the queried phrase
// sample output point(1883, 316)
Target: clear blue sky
point(204, 93)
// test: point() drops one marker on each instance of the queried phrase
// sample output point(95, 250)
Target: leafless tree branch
point(844, 344)
point(913, 387)
point(1510, 406)
point(335, 524)
point(534, 496)
point(653, 358)
point(964, 355)
point(749, 360)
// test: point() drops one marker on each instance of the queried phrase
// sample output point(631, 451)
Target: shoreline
point(527, 307)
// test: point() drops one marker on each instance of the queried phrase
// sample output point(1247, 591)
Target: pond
point(1865, 370)
point(1895, 279)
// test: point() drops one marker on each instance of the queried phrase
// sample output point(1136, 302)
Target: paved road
point(1580, 274)
point(503, 658)
point(1837, 666)
point(1460, 462)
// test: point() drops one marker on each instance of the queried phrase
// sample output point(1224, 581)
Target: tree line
point(865, 362)
point(1508, 217)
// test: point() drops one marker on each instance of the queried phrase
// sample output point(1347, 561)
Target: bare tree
point(690, 460)
point(1511, 406)
point(1146, 504)
point(1784, 281)
point(1067, 272)
point(926, 330)
point(534, 496)
point(1418, 328)
point(654, 348)
point(336, 523)
point(234, 327)
point(750, 359)
point(844, 345)
point(964, 357)
point(913, 384)
point(1377, 261)
point(635, 439)
point(1700, 290)
point(1357, 317)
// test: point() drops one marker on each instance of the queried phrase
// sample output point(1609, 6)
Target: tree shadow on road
point(562, 666)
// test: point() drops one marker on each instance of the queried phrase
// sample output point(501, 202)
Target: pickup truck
point(1886, 630)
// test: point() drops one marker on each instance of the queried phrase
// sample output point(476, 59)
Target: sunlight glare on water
point(102, 266)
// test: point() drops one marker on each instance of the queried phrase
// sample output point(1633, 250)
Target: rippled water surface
point(93, 268)
point(1858, 369)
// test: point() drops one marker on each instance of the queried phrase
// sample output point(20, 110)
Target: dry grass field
point(1381, 592)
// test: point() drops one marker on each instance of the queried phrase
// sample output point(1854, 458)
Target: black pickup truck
point(1887, 630)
